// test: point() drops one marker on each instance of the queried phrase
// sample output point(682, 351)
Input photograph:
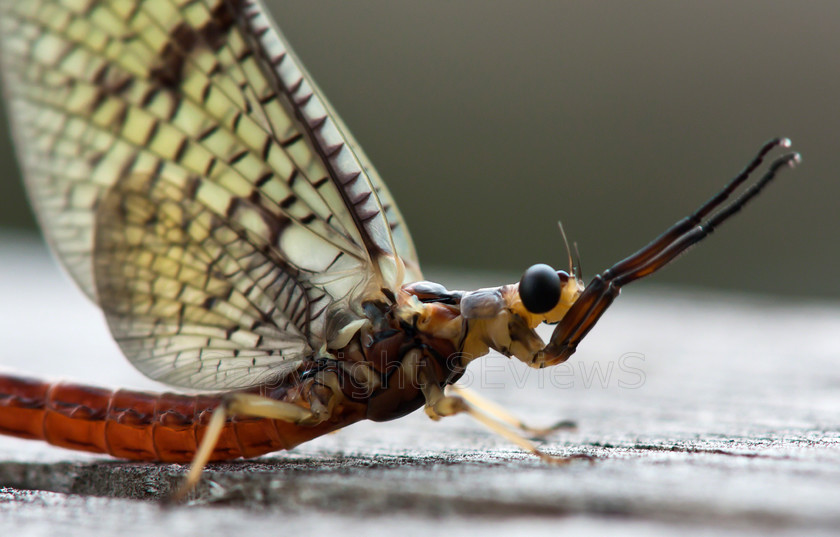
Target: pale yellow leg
point(439, 405)
point(241, 405)
point(500, 414)
point(202, 455)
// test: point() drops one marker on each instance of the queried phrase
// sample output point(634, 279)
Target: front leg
point(684, 234)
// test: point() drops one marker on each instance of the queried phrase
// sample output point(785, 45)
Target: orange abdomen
point(143, 426)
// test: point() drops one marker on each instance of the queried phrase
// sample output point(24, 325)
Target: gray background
point(491, 120)
point(733, 429)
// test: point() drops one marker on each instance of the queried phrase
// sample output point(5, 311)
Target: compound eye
point(540, 288)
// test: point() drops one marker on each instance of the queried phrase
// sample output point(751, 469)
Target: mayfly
point(198, 187)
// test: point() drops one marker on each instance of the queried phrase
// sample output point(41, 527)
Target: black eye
point(539, 288)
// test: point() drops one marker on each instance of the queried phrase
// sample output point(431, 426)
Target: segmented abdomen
point(138, 425)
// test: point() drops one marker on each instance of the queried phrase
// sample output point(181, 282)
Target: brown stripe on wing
point(325, 133)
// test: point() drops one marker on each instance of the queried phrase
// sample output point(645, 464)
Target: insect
point(199, 188)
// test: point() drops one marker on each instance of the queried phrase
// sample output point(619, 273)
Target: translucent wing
point(196, 184)
point(195, 298)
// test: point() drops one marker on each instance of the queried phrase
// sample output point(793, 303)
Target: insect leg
point(502, 415)
point(439, 405)
point(255, 406)
point(603, 289)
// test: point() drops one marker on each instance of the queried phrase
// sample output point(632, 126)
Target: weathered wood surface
point(706, 413)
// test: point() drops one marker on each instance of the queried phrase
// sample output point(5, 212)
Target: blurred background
point(492, 120)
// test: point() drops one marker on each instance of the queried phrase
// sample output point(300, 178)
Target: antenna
point(578, 270)
point(568, 250)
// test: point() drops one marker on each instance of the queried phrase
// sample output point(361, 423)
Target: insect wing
point(196, 185)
